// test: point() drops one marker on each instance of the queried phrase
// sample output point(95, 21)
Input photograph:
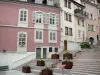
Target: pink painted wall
point(9, 16)
point(92, 10)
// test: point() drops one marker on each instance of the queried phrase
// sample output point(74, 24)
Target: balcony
point(80, 13)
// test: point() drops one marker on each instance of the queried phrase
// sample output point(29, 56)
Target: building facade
point(29, 26)
point(67, 24)
point(92, 21)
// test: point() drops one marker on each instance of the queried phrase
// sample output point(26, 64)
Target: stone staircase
point(85, 63)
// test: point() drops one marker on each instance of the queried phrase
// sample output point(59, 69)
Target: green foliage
point(41, 59)
point(85, 45)
point(65, 52)
point(46, 68)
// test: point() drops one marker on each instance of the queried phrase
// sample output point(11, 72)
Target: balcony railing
point(80, 13)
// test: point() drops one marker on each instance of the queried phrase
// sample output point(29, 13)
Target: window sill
point(39, 41)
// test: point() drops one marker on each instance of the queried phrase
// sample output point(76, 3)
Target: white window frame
point(21, 41)
point(23, 9)
point(56, 20)
point(52, 41)
point(36, 16)
point(38, 40)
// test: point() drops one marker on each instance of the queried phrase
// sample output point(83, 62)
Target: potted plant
point(67, 54)
point(85, 45)
point(46, 71)
point(26, 69)
point(40, 62)
point(68, 64)
point(55, 56)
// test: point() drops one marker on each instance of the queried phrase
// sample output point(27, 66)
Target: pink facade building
point(29, 27)
point(92, 20)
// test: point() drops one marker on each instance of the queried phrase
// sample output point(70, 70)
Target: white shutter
point(47, 19)
point(44, 18)
point(57, 20)
point(33, 16)
point(94, 28)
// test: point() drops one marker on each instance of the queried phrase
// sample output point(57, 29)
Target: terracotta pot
point(47, 72)
point(69, 65)
point(55, 56)
point(40, 63)
point(68, 55)
point(26, 69)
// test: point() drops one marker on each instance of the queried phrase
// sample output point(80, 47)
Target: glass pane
point(24, 35)
point(23, 43)
point(21, 12)
point(40, 35)
point(53, 36)
point(20, 43)
point(50, 36)
point(36, 34)
point(20, 39)
point(20, 35)
point(24, 39)
point(21, 19)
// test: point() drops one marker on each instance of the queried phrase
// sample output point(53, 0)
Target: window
point(70, 19)
point(91, 16)
point(52, 19)
point(66, 30)
point(91, 27)
point(70, 31)
point(22, 39)
point(23, 15)
point(39, 35)
point(69, 4)
point(78, 22)
point(52, 36)
point(66, 16)
point(50, 49)
point(79, 33)
point(38, 17)
point(83, 23)
point(65, 3)
point(56, 49)
point(83, 35)
point(99, 12)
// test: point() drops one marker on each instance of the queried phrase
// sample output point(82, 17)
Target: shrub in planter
point(68, 64)
point(85, 45)
point(26, 69)
point(40, 62)
point(68, 55)
point(46, 71)
point(55, 56)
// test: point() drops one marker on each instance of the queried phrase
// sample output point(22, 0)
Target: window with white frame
point(23, 15)
point(53, 36)
point(68, 17)
point(52, 19)
point(38, 17)
point(79, 33)
point(22, 37)
point(99, 12)
point(38, 35)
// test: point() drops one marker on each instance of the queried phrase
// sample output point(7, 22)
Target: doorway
point(44, 53)
point(65, 44)
point(38, 53)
